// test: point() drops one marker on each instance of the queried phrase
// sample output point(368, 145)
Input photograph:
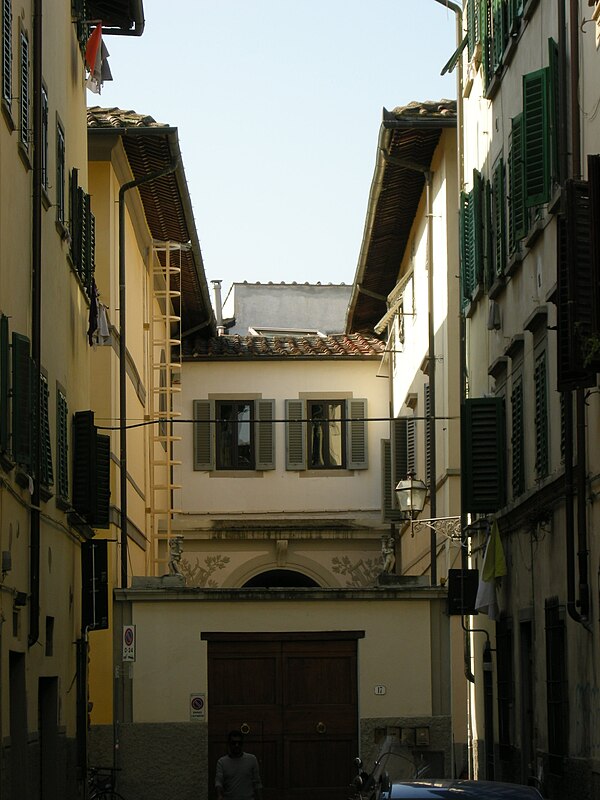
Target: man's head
point(235, 744)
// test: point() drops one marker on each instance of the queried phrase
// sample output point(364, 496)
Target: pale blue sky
point(278, 106)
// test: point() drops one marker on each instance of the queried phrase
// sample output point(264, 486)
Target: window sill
point(62, 504)
point(6, 462)
point(534, 232)
point(45, 494)
point(235, 473)
point(63, 231)
point(46, 202)
point(514, 263)
point(326, 473)
point(469, 309)
point(497, 287)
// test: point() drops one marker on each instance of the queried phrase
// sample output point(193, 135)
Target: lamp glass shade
point(411, 494)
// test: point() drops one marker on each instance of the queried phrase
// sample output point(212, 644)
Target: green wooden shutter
point(467, 248)
point(389, 504)
point(4, 384)
point(356, 432)
point(427, 414)
point(536, 137)
point(594, 189)
point(7, 52)
point(577, 285)
point(483, 455)
point(517, 439)
point(488, 235)
point(84, 458)
point(411, 446)
point(498, 34)
point(400, 448)
point(516, 226)
point(204, 434)
point(471, 28)
point(477, 223)
point(487, 42)
point(265, 434)
point(101, 513)
point(62, 447)
point(499, 217)
point(515, 11)
point(553, 103)
point(75, 218)
point(46, 471)
point(22, 405)
point(295, 435)
point(541, 416)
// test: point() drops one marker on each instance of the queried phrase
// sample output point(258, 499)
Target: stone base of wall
point(156, 760)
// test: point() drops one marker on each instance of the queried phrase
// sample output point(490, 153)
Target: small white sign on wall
point(380, 689)
point(128, 642)
point(197, 706)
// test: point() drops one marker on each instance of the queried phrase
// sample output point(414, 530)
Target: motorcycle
point(394, 763)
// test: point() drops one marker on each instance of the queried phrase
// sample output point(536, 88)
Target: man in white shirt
point(237, 776)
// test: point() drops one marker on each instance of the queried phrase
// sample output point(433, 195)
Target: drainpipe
point(431, 377)
point(36, 326)
point(151, 176)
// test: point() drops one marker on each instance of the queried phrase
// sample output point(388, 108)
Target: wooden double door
point(295, 699)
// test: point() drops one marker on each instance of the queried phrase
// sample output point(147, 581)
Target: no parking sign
point(197, 706)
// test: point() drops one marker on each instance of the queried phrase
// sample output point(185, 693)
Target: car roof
point(434, 789)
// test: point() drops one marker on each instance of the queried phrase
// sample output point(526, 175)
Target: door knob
point(321, 727)
point(245, 728)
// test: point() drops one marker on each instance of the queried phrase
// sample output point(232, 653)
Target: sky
point(278, 106)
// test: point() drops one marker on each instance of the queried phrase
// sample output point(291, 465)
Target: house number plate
point(380, 689)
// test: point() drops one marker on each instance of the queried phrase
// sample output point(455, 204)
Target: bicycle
point(101, 782)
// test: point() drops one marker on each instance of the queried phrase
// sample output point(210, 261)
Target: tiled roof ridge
point(98, 117)
point(334, 345)
point(431, 108)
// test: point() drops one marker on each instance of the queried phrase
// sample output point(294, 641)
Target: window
point(516, 205)
point(326, 434)
point(60, 174)
point(24, 106)
point(21, 401)
point(83, 232)
point(7, 52)
point(62, 445)
point(471, 238)
point(234, 434)
point(45, 179)
point(498, 218)
point(46, 471)
point(541, 416)
point(483, 448)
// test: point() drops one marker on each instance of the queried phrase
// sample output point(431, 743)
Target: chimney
point(218, 307)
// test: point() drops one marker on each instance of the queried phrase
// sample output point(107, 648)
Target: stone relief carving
point(359, 573)
point(198, 575)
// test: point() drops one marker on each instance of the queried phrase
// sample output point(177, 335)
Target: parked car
point(397, 775)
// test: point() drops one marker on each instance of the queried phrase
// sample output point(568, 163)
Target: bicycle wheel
point(110, 794)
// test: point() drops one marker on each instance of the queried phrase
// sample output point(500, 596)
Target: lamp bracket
point(448, 526)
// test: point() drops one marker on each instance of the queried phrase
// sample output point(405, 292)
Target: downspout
point(36, 326)
point(148, 178)
point(431, 377)
point(580, 614)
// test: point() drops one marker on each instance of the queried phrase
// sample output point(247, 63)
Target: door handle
point(321, 727)
point(245, 728)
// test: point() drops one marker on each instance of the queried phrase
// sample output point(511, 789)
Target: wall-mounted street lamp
point(411, 493)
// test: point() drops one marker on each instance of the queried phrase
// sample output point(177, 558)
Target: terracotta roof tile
point(339, 345)
point(118, 118)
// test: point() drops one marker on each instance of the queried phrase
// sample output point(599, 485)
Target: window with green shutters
point(499, 32)
point(46, 470)
point(516, 205)
point(499, 217)
point(487, 41)
point(483, 455)
point(7, 52)
point(541, 415)
point(4, 384)
point(428, 437)
point(83, 232)
point(536, 137)
point(91, 470)
point(471, 220)
point(514, 14)
point(22, 405)
point(517, 438)
point(24, 127)
point(62, 446)
point(473, 25)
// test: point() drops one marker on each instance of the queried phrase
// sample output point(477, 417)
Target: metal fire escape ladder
point(165, 371)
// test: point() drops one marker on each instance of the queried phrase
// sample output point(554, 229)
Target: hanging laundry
point(494, 569)
point(96, 60)
point(93, 315)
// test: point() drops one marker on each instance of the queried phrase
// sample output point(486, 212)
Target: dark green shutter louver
point(536, 137)
point(428, 437)
point(7, 51)
point(62, 453)
point(594, 189)
point(487, 42)
point(553, 104)
point(295, 435)
point(499, 217)
point(478, 225)
point(576, 287)
point(265, 434)
point(204, 435)
point(483, 471)
point(4, 384)
point(499, 33)
point(400, 447)
point(101, 514)
point(488, 235)
point(356, 429)
point(389, 504)
point(91, 470)
point(515, 11)
point(22, 405)
point(517, 439)
point(75, 218)
point(541, 416)
point(516, 226)
point(47, 473)
point(24, 107)
point(472, 26)
point(468, 279)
